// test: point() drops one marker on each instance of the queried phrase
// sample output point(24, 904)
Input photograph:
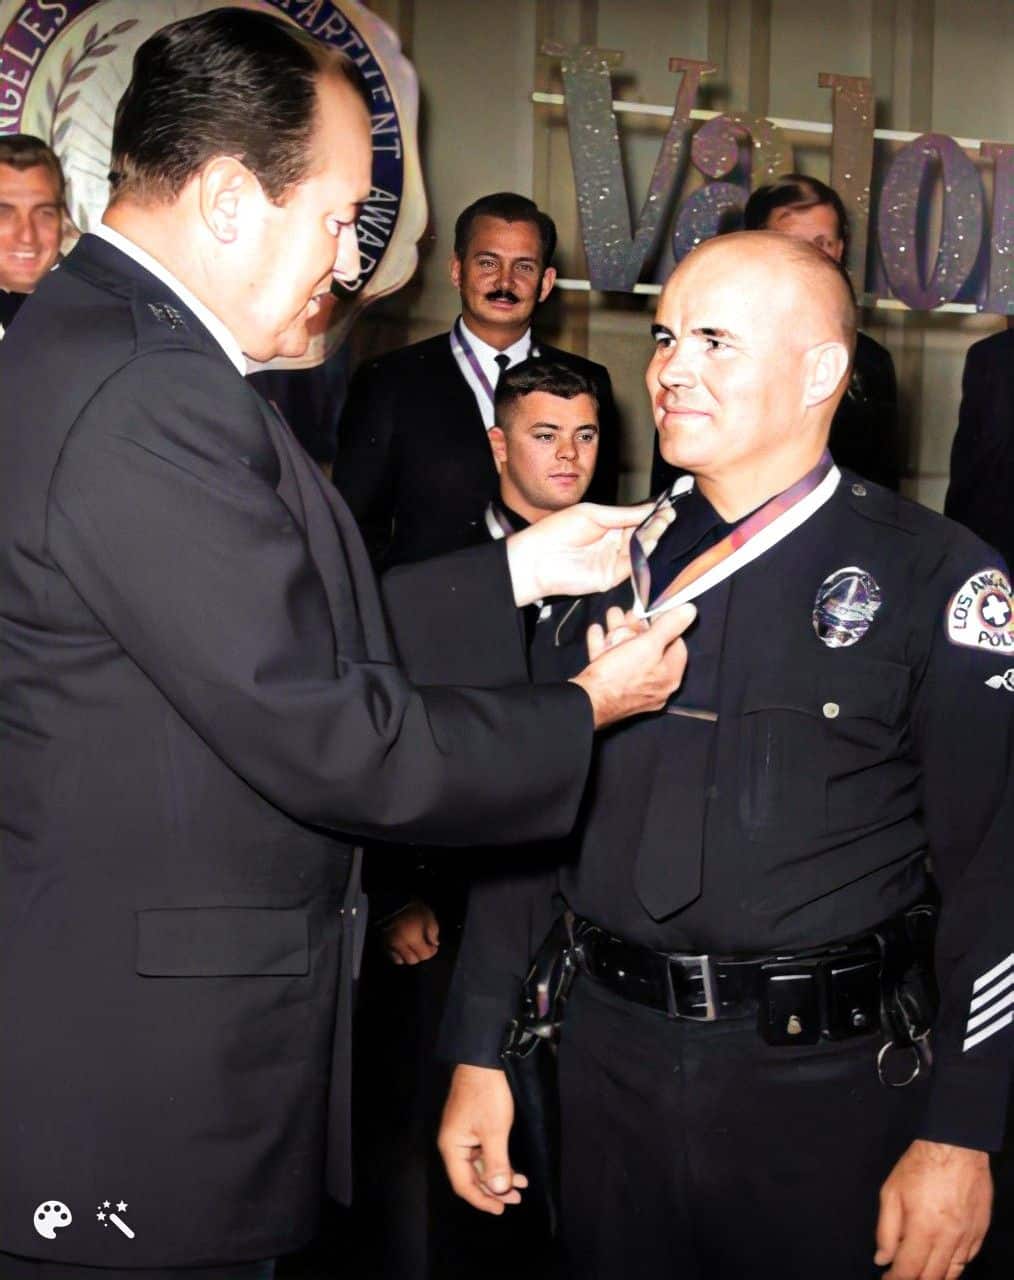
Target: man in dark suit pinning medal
point(200, 708)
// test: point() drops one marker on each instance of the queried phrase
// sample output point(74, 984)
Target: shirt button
point(830, 710)
point(859, 490)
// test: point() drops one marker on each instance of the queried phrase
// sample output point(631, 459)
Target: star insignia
point(121, 1206)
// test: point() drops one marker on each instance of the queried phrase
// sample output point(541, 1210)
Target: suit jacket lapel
point(335, 546)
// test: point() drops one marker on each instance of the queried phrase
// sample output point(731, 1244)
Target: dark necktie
point(503, 360)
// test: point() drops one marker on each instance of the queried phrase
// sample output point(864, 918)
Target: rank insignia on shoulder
point(166, 314)
point(847, 602)
point(980, 614)
point(1006, 681)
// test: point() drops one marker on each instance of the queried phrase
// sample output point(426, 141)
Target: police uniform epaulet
point(883, 506)
point(162, 324)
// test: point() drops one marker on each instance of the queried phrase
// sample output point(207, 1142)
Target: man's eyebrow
point(707, 331)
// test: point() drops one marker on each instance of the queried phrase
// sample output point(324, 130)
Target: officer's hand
point(473, 1139)
point(582, 549)
point(413, 935)
point(934, 1212)
point(640, 673)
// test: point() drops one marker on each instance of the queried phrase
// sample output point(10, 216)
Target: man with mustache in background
point(414, 462)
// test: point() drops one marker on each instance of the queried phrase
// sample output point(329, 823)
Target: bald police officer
point(751, 893)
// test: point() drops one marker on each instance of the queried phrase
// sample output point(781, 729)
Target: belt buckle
point(705, 973)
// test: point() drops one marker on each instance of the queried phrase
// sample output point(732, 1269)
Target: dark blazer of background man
point(865, 432)
point(31, 218)
point(414, 462)
point(981, 493)
point(199, 705)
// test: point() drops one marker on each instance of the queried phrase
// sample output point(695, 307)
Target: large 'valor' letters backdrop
point(973, 260)
point(65, 63)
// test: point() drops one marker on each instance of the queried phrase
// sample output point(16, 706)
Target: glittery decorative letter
point(904, 201)
point(615, 255)
point(852, 162)
point(1001, 246)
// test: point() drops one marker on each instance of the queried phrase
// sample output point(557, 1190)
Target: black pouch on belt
point(528, 1054)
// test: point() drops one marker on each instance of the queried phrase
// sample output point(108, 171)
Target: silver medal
point(846, 604)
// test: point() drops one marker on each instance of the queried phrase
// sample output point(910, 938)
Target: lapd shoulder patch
point(980, 614)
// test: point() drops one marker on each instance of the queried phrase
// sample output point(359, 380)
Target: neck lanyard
point(473, 360)
point(775, 520)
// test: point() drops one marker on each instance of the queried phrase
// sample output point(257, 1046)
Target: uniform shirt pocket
point(821, 750)
point(222, 942)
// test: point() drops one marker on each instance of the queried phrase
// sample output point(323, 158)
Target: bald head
point(754, 339)
point(799, 280)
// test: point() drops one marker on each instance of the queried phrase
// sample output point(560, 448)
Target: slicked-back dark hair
point(537, 374)
point(509, 207)
point(23, 151)
point(795, 191)
point(233, 82)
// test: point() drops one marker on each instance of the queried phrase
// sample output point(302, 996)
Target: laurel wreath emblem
point(63, 90)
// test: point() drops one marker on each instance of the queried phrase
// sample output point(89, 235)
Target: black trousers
point(697, 1151)
point(16, 1268)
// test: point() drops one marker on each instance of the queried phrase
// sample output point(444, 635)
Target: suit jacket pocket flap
point(219, 942)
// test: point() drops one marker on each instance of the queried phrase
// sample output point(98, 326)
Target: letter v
point(615, 255)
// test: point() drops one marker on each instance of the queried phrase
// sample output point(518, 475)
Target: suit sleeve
point(164, 517)
point(971, 459)
point(443, 634)
point(509, 914)
point(964, 734)
point(365, 468)
point(605, 483)
point(879, 390)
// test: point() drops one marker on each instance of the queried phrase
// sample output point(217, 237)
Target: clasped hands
point(632, 668)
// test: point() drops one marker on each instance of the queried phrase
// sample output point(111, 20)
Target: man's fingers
point(460, 1165)
point(912, 1257)
point(596, 641)
point(655, 527)
point(667, 626)
point(617, 517)
point(432, 933)
point(888, 1228)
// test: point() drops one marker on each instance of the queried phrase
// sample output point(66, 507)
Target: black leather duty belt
point(834, 992)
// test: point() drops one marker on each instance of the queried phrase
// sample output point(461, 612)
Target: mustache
point(502, 295)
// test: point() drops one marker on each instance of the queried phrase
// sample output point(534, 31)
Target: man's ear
point(227, 190)
point(827, 365)
point(498, 443)
point(546, 286)
point(455, 269)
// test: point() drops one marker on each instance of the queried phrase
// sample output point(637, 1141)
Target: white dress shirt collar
point(211, 322)
point(486, 356)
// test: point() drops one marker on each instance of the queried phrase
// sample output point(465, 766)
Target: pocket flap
point(221, 942)
point(863, 689)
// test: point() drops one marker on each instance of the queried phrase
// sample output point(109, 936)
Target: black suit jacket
point(864, 431)
point(981, 493)
point(413, 460)
point(200, 716)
